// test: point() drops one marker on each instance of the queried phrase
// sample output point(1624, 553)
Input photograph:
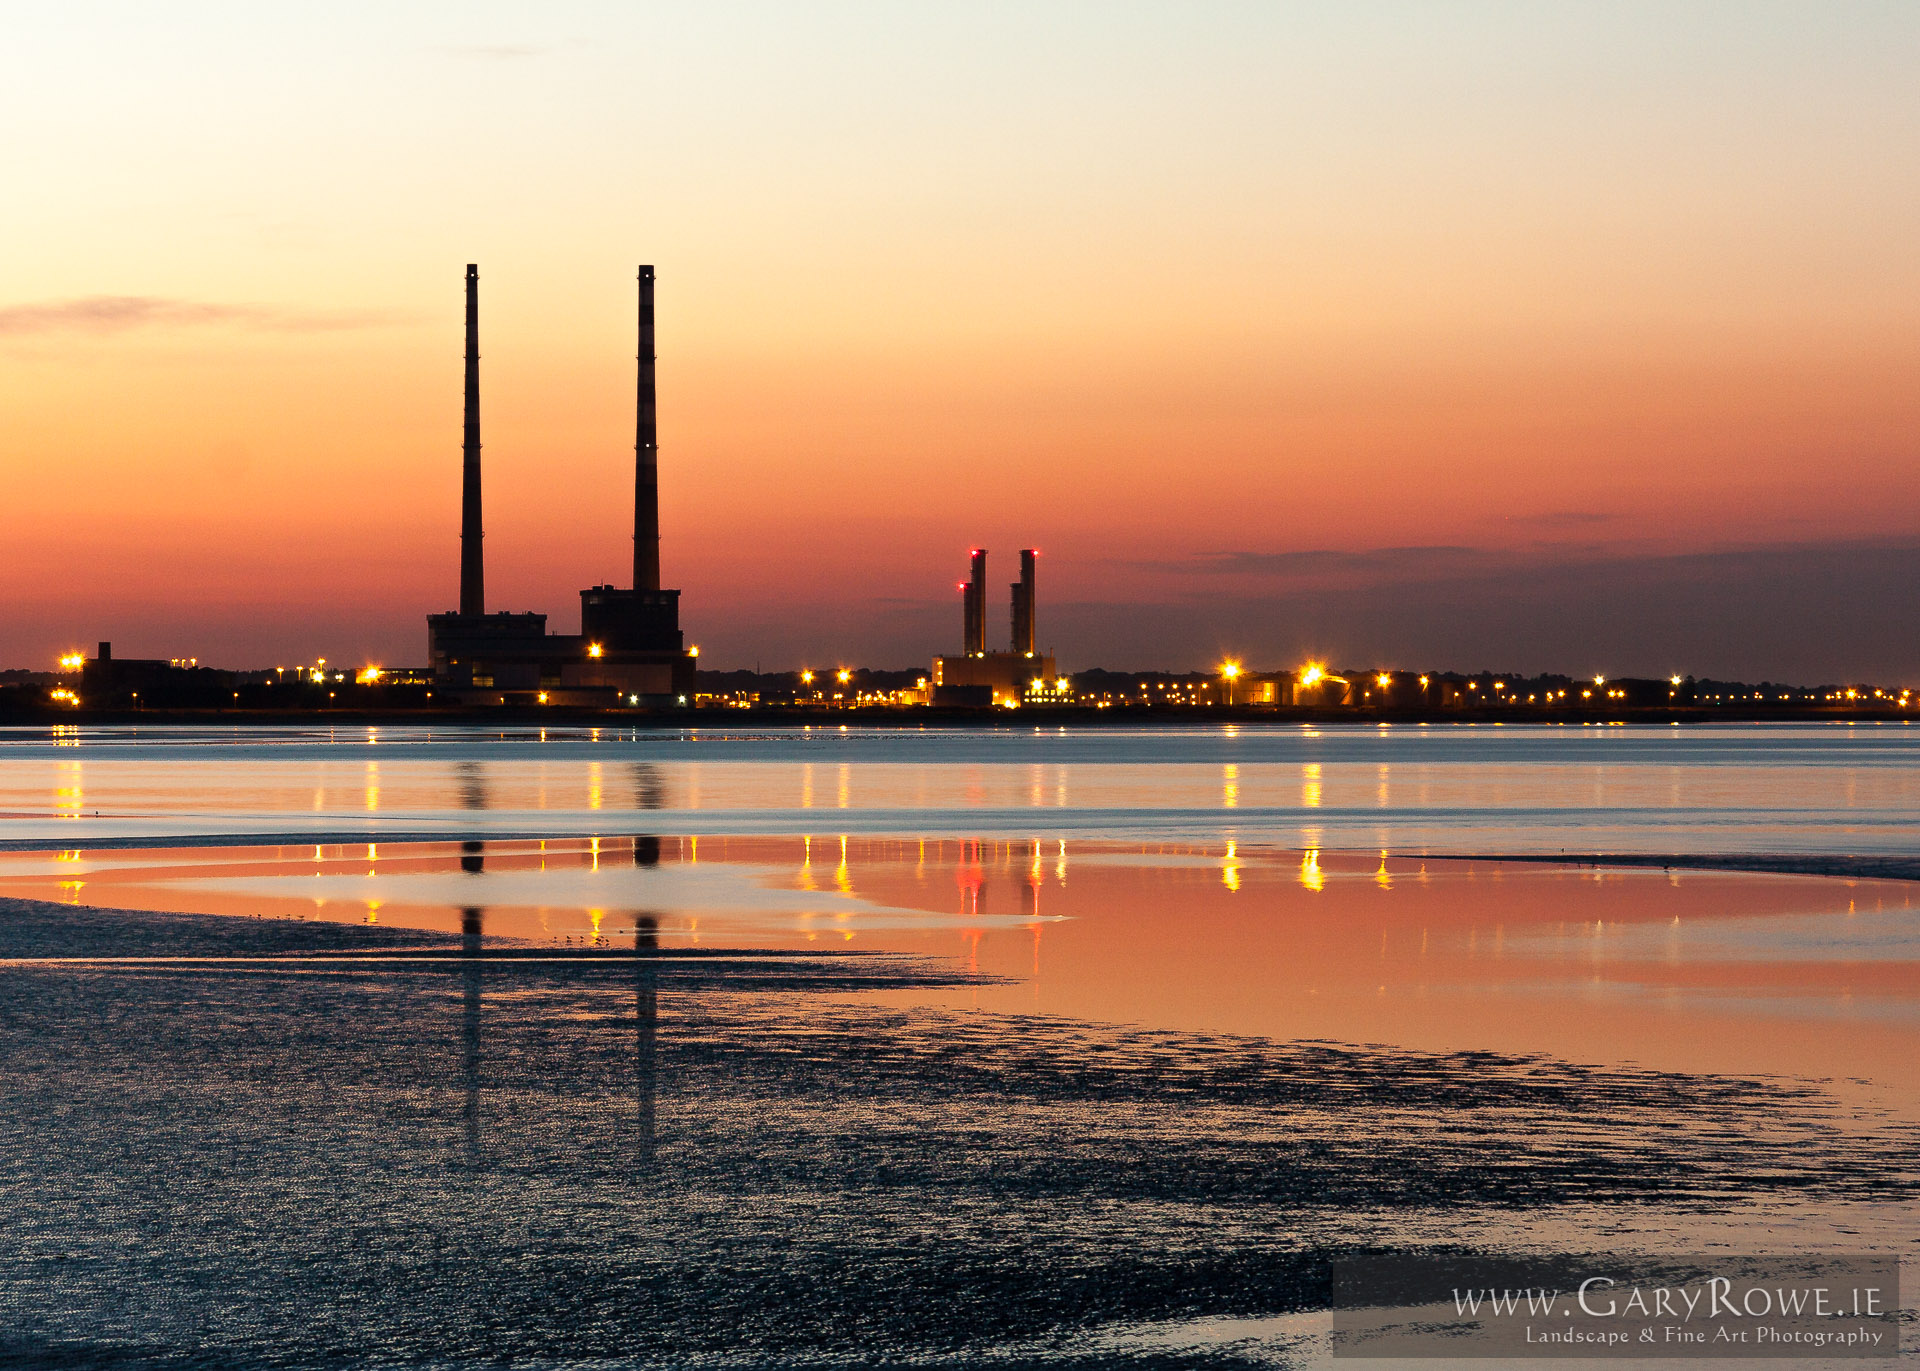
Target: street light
point(1231, 672)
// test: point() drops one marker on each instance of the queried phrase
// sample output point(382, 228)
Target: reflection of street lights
point(1231, 671)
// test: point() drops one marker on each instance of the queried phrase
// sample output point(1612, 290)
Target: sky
point(1526, 336)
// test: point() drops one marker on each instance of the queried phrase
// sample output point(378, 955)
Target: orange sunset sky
point(1524, 336)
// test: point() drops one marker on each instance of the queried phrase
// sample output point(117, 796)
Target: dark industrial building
point(1020, 675)
point(629, 650)
point(107, 680)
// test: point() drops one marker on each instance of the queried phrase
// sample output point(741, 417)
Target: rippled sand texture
point(279, 1149)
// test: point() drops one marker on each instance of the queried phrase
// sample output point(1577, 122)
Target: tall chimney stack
point(1023, 604)
point(473, 594)
point(646, 453)
point(977, 604)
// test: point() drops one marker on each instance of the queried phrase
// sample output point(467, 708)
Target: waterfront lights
point(1673, 680)
point(694, 651)
point(595, 650)
point(806, 678)
point(367, 676)
point(843, 675)
point(73, 661)
point(1313, 674)
point(1384, 679)
point(1230, 670)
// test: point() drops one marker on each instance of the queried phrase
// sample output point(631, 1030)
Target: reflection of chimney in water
point(473, 785)
point(473, 859)
point(646, 851)
point(649, 792)
point(470, 941)
point(646, 941)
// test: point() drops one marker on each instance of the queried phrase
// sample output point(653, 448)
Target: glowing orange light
point(595, 650)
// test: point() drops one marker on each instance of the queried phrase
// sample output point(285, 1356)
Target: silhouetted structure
point(473, 592)
point(974, 610)
point(977, 677)
point(1023, 603)
point(630, 649)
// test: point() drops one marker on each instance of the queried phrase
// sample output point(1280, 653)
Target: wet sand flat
point(264, 1153)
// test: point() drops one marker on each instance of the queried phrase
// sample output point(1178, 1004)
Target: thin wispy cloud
point(1313, 561)
point(496, 52)
point(104, 314)
point(1568, 518)
point(1328, 559)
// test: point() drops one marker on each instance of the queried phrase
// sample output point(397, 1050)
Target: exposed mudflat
point(270, 1153)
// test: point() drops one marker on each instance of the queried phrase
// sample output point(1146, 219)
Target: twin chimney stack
point(1023, 604)
point(630, 649)
point(646, 453)
point(975, 606)
point(976, 603)
point(473, 590)
point(1020, 673)
point(646, 458)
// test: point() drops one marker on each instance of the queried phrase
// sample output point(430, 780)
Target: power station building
point(630, 649)
point(1020, 675)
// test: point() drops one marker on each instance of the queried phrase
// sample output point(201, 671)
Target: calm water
point(923, 1048)
point(1838, 788)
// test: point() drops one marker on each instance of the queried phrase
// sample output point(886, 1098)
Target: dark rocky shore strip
point(1773, 863)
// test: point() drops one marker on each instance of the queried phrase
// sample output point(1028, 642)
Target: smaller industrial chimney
point(976, 604)
point(1023, 604)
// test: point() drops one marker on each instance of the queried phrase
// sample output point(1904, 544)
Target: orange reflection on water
point(1704, 971)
